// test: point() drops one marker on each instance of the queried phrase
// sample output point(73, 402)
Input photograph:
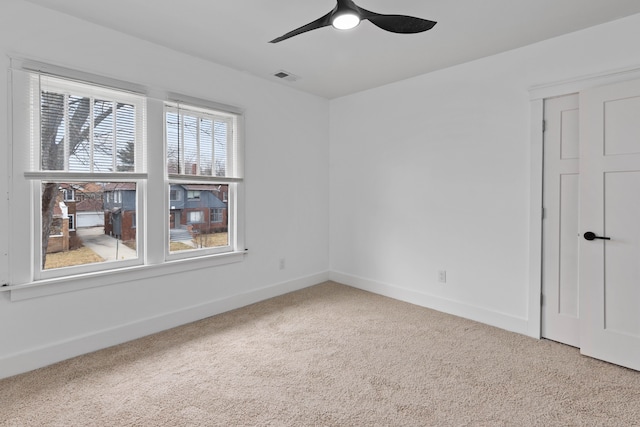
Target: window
point(81, 147)
point(68, 194)
point(202, 158)
point(72, 222)
point(195, 217)
point(80, 135)
point(216, 215)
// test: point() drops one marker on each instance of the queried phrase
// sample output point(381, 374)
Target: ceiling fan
point(347, 15)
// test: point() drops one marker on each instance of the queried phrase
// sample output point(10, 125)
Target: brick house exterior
point(199, 207)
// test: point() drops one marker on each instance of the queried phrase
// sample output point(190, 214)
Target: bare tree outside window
point(81, 134)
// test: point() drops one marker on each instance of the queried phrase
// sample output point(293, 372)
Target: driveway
point(107, 247)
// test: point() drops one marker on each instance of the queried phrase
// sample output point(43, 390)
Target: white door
point(610, 207)
point(560, 317)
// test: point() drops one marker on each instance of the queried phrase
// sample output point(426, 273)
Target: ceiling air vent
point(285, 75)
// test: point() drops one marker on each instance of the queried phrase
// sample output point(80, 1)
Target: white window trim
point(23, 284)
point(119, 276)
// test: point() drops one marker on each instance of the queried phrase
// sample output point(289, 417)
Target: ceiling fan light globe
point(345, 21)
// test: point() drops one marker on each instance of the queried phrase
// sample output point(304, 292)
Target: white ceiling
point(333, 63)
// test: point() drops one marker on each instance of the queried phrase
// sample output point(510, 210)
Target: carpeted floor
point(329, 355)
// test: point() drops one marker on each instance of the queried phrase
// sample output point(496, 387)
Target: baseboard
point(46, 355)
point(467, 311)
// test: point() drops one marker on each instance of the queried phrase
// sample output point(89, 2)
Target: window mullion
point(154, 212)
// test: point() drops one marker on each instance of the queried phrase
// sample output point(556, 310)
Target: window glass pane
point(190, 148)
point(199, 142)
point(206, 147)
point(78, 134)
point(95, 227)
point(198, 223)
point(82, 134)
point(103, 136)
point(52, 131)
point(173, 142)
point(125, 138)
point(220, 136)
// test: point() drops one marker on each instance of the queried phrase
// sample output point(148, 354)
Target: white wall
point(433, 173)
point(286, 216)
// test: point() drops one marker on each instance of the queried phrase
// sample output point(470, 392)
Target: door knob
point(589, 235)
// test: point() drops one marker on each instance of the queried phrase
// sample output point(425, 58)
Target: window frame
point(72, 221)
point(38, 83)
point(66, 192)
point(233, 171)
point(24, 280)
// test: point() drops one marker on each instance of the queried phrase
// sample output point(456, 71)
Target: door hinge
point(544, 213)
point(541, 300)
point(544, 126)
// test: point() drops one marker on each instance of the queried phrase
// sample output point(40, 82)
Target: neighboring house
point(77, 205)
point(199, 207)
point(62, 236)
point(120, 210)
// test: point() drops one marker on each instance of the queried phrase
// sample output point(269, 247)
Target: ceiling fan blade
point(318, 23)
point(398, 23)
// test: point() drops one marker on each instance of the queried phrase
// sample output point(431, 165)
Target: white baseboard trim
point(39, 357)
point(457, 308)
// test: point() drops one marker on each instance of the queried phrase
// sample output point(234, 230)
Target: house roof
point(91, 187)
point(112, 186)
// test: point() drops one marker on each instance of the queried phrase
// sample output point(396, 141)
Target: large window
point(80, 151)
point(94, 136)
point(202, 163)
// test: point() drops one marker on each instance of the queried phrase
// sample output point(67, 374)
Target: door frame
point(537, 95)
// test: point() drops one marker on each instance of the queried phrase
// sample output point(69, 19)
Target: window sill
point(78, 282)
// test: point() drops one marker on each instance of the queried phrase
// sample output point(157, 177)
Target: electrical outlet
point(282, 263)
point(442, 276)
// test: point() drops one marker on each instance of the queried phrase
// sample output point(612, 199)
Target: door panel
point(568, 265)
point(560, 227)
point(609, 207)
point(569, 130)
point(621, 117)
point(622, 219)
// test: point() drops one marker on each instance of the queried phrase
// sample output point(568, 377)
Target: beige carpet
point(329, 355)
